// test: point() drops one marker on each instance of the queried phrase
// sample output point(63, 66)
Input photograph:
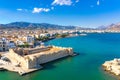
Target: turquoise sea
point(94, 50)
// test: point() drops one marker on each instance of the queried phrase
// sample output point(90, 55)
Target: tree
point(26, 45)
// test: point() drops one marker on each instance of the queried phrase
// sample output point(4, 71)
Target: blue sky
point(85, 13)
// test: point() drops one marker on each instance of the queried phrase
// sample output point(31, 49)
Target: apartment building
point(3, 44)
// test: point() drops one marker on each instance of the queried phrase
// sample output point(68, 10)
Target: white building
point(45, 35)
point(3, 44)
point(18, 42)
point(11, 44)
point(29, 39)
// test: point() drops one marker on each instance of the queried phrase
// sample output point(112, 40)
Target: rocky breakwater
point(112, 66)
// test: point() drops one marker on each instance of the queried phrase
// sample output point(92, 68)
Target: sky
point(83, 13)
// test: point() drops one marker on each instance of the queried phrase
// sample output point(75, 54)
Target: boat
point(83, 34)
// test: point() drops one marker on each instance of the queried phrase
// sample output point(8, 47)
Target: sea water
point(93, 49)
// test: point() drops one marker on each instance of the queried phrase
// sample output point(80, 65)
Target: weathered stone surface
point(30, 62)
point(113, 66)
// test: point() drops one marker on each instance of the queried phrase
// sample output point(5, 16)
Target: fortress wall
point(17, 59)
point(30, 61)
point(70, 50)
point(44, 58)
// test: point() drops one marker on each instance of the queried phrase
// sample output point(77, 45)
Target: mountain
point(27, 25)
point(102, 27)
point(114, 26)
point(110, 27)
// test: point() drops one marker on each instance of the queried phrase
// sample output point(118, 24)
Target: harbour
point(93, 50)
point(60, 40)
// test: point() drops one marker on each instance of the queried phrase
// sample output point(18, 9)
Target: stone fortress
point(29, 59)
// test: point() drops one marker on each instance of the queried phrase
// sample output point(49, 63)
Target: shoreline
point(110, 73)
point(112, 67)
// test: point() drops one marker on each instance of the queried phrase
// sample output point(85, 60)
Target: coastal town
point(60, 39)
point(31, 38)
point(24, 51)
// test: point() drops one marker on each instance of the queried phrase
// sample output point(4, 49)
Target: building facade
point(3, 44)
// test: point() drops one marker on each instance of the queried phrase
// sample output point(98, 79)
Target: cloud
point(19, 9)
point(52, 8)
point(77, 1)
point(98, 2)
point(38, 10)
point(62, 2)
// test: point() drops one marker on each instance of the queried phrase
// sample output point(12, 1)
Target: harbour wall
point(34, 60)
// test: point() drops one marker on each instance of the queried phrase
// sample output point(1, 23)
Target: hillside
point(22, 25)
point(114, 26)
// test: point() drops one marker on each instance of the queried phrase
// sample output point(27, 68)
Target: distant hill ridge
point(34, 25)
point(114, 26)
point(110, 27)
point(28, 25)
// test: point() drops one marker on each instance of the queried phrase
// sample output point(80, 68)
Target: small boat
point(82, 34)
